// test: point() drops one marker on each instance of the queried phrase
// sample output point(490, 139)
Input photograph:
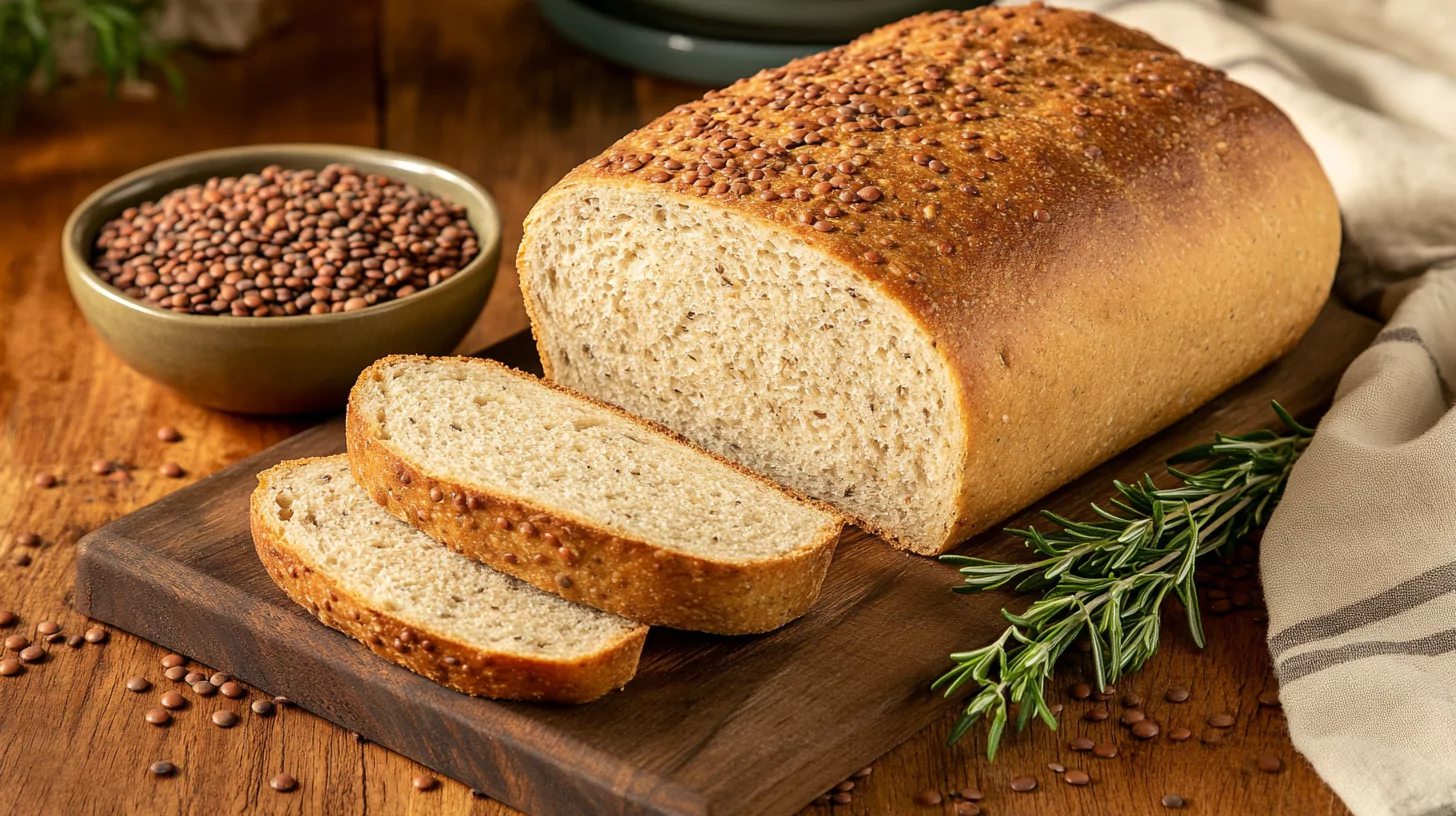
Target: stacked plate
point(714, 42)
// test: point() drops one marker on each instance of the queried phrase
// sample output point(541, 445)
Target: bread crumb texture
point(498, 431)
point(331, 524)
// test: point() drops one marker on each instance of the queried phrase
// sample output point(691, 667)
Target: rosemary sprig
point(1108, 578)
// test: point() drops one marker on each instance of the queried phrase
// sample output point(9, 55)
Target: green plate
point(687, 57)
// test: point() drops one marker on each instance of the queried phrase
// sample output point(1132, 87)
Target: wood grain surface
point(483, 86)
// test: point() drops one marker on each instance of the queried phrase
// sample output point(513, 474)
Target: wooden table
point(481, 85)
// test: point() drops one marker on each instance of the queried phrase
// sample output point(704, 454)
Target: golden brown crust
point(448, 662)
point(1097, 233)
point(559, 551)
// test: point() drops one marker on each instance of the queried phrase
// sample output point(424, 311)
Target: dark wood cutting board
point(711, 725)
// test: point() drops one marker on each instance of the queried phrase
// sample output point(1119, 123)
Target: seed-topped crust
point(1096, 233)
point(982, 128)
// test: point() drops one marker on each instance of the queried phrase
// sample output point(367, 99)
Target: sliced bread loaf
point(412, 601)
point(580, 498)
point(936, 273)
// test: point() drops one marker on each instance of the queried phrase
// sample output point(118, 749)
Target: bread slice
point(580, 498)
point(451, 619)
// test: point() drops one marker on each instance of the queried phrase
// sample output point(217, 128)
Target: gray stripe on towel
point(1407, 334)
point(1405, 595)
point(1303, 665)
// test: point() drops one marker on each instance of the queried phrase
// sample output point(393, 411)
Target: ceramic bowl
point(277, 365)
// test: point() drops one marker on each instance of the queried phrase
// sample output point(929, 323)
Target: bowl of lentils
point(263, 279)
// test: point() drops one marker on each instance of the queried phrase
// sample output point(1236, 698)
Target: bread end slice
point(565, 549)
point(604, 658)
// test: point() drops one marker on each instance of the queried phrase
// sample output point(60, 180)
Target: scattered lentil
point(1269, 763)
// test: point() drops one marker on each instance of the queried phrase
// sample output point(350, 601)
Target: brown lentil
point(32, 654)
point(928, 798)
point(262, 708)
point(1145, 729)
point(1177, 694)
point(1078, 778)
point(284, 242)
point(283, 783)
point(1221, 720)
point(425, 782)
point(171, 470)
point(138, 684)
point(45, 481)
point(96, 635)
point(1024, 784)
point(1269, 763)
point(1104, 750)
point(7, 618)
point(173, 700)
point(9, 667)
point(224, 719)
point(162, 768)
point(1173, 801)
point(233, 691)
point(167, 433)
point(158, 716)
point(173, 660)
point(47, 627)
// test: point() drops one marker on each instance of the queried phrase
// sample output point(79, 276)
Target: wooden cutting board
point(711, 725)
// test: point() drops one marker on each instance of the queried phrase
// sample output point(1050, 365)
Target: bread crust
point(569, 555)
point(457, 665)
point(1110, 234)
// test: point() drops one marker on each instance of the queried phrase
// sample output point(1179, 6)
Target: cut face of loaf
point(756, 345)
point(412, 601)
point(579, 498)
point(937, 273)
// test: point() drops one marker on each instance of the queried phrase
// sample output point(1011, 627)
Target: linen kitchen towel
point(1359, 568)
point(1359, 561)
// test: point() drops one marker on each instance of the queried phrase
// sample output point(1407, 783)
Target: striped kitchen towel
point(1359, 568)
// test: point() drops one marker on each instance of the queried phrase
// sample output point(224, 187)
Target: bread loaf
point(583, 500)
point(417, 604)
point(938, 272)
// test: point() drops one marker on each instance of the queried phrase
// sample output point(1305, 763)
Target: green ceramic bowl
point(277, 365)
